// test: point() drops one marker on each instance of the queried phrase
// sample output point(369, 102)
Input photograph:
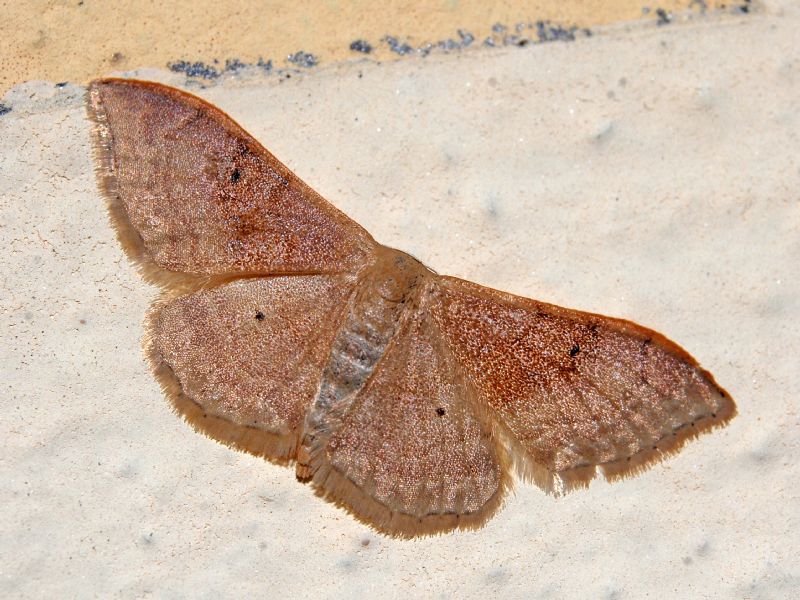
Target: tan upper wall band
point(78, 40)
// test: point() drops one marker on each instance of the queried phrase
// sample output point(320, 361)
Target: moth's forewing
point(242, 361)
point(192, 192)
point(575, 390)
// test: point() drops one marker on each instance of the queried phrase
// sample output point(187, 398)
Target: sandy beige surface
point(648, 173)
point(75, 41)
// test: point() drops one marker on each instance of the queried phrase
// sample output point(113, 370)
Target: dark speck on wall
point(361, 46)
point(4, 109)
point(533, 33)
point(234, 64)
point(664, 18)
point(302, 59)
point(549, 32)
point(466, 37)
point(195, 69)
point(209, 71)
point(396, 47)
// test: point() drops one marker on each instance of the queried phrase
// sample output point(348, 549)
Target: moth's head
point(398, 274)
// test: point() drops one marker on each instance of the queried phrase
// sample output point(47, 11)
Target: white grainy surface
point(650, 174)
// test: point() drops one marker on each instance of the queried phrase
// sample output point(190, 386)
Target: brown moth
point(406, 397)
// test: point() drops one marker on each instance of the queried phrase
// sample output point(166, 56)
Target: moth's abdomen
point(385, 293)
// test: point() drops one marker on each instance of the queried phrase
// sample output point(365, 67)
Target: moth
point(407, 397)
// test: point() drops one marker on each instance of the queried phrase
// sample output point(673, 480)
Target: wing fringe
point(336, 488)
point(561, 482)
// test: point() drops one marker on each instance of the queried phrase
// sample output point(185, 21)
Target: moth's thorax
point(395, 276)
point(388, 290)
